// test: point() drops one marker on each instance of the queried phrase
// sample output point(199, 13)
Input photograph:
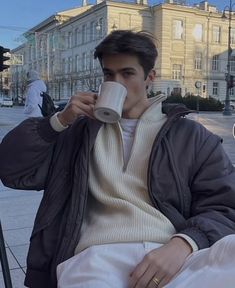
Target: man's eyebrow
point(107, 70)
point(128, 69)
point(123, 69)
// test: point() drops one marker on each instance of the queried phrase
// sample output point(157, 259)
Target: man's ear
point(151, 76)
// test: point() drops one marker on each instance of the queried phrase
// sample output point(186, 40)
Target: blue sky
point(17, 16)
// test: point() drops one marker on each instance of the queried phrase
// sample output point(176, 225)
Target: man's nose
point(118, 78)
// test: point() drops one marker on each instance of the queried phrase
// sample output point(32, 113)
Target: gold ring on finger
point(156, 281)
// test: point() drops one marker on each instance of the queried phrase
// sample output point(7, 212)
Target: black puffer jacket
point(190, 180)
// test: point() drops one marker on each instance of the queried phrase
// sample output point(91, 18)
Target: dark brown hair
point(140, 44)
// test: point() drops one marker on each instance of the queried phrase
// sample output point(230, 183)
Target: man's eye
point(107, 74)
point(128, 73)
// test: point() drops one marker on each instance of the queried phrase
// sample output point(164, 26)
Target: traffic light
point(3, 58)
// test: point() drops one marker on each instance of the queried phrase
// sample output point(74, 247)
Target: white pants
point(109, 266)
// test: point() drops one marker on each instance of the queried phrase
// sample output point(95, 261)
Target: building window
point(216, 34)
point(92, 59)
point(88, 62)
point(93, 30)
point(70, 64)
point(40, 48)
point(77, 36)
point(83, 33)
point(100, 27)
point(78, 63)
point(45, 66)
point(198, 61)
point(84, 61)
point(231, 91)
point(53, 41)
point(69, 40)
point(232, 35)
point(215, 91)
point(33, 52)
point(40, 67)
point(178, 29)
point(197, 32)
point(215, 63)
point(177, 71)
point(63, 65)
point(232, 64)
point(30, 53)
point(52, 68)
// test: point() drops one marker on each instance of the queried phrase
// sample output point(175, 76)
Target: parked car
point(232, 105)
point(6, 102)
point(59, 105)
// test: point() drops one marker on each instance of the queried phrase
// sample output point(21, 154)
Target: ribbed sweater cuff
point(190, 241)
point(56, 124)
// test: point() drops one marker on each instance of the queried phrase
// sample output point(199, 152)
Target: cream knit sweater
point(119, 208)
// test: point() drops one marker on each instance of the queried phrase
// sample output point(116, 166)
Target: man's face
point(126, 70)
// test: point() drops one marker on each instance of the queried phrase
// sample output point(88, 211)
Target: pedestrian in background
point(33, 98)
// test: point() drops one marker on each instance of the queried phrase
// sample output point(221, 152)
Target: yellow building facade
point(193, 46)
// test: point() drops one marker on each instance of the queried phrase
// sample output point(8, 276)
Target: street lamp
point(229, 77)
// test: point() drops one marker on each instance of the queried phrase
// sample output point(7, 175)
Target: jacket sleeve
point(213, 195)
point(26, 153)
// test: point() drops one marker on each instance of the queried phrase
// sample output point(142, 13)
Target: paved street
point(18, 208)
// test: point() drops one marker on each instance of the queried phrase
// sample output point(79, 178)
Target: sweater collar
point(154, 111)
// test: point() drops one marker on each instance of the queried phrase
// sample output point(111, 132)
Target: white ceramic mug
point(109, 104)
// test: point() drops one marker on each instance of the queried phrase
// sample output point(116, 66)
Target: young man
point(125, 204)
point(33, 94)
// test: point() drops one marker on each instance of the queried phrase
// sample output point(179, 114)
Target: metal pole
point(48, 57)
point(207, 55)
point(1, 92)
point(227, 110)
point(198, 99)
point(17, 84)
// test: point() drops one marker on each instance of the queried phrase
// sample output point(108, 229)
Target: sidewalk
point(17, 212)
point(18, 208)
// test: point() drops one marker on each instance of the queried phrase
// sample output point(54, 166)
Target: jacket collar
point(175, 109)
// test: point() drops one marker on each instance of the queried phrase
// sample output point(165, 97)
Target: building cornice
point(188, 9)
point(104, 4)
point(58, 18)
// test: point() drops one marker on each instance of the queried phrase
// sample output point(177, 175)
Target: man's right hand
point(80, 104)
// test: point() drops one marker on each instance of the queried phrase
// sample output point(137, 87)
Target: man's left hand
point(160, 265)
